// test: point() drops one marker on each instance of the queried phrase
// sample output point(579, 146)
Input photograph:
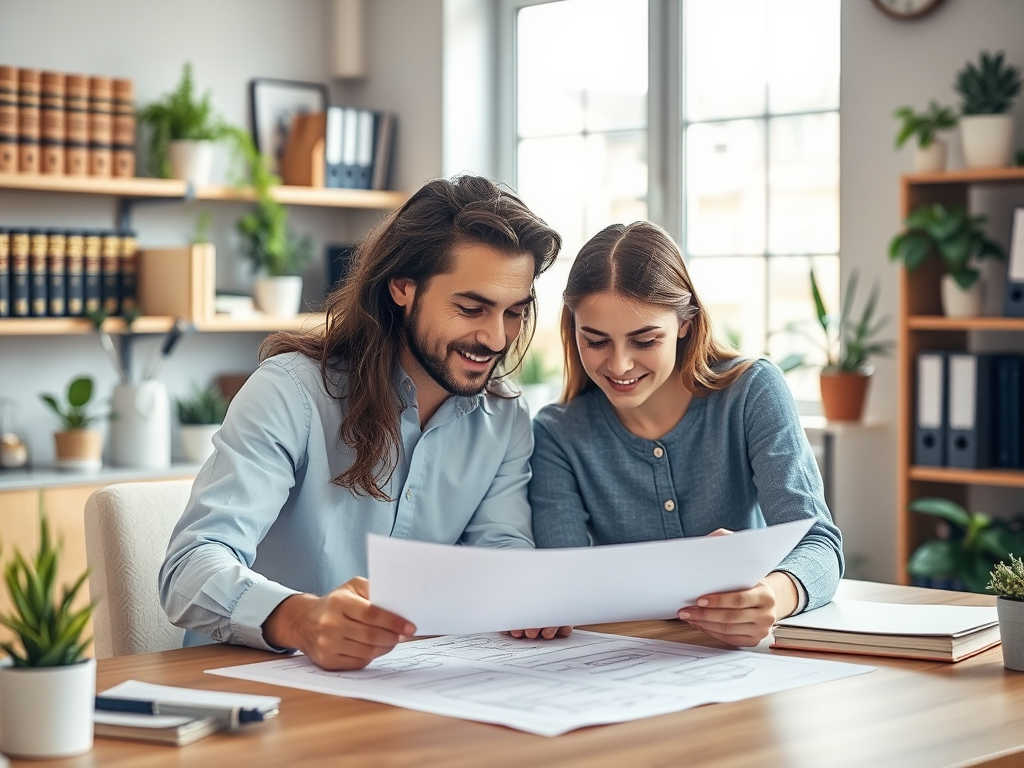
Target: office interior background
point(625, 109)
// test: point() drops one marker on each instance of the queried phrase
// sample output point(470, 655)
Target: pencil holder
point(140, 427)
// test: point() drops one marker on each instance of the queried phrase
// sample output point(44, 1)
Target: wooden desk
point(905, 714)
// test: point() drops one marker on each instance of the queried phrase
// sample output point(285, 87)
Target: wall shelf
point(70, 326)
point(940, 323)
point(1004, 478)
point(967, 176)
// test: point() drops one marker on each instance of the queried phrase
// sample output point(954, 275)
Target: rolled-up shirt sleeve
point(206, 582)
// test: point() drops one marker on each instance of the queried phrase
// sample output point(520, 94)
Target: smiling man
point(393, 419)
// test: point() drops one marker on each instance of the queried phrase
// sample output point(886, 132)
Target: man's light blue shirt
point(264, 520)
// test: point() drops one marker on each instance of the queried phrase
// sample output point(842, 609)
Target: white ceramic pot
point(140, 426)
point(47, 711)
point(931, 159)
point(987, 140)
point(278, 296)
point(956, 302)
point(1011, 631)
point(191, 161)
point(197, 442)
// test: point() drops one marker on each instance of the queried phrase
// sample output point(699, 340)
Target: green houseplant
point(959, 240)
point(848, 342)
point(77, 446)
point(46, 686)
point(987, 90)
point(1007, 581)
point(929, 150)
point(200, 414)
point(183, 127)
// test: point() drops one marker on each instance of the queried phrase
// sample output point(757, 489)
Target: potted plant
point(987, 91)
point(277, 253)
point(183, 128)
point(47, 688)
point(536, 381)
point(848, 345)
point(78, 447)
point(200, 414)
point(1007, 581)
point(959, 240)
point(969, 546)
point(930, 151)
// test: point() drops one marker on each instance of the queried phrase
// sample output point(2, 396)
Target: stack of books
point(937, 632)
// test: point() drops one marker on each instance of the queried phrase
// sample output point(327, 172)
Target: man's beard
point(436, 364)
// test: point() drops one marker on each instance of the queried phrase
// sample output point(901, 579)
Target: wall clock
point(906, 9)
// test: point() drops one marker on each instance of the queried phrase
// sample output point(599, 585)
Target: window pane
point(581, 64)
point(725, 188)
point(791, 305)
point(803, 55)
point(803, 183)
point(553, 181)
point(733, 292)
point(617, 180)
point(725, 54)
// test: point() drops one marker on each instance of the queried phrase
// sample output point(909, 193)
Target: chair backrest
point(127, 528)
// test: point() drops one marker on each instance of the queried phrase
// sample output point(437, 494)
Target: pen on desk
point(233, 715)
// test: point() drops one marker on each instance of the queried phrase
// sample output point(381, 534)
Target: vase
point(140, 427)
point(79, 450)
point(1011, 630)
point(843, 395)
point(197, 442)
point(191, 161)
point(47, 711)
point(957, 302)
point(279, 296)
point(930, 159)
point(987, 140)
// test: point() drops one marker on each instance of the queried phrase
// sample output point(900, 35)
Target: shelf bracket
point(126, 204)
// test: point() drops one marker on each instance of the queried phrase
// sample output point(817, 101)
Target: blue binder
point(1008, 424)
point(930, 422)
point(969, 410)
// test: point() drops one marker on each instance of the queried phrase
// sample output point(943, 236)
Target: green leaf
point(943, 508)
point(934, 559)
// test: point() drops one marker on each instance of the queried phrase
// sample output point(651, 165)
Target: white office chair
point(127, 528)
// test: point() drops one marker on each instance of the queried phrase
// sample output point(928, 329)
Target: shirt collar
point(460, 406)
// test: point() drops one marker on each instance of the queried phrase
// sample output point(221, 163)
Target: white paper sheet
point(459, 590)
point(551, 687)
point(890, 619)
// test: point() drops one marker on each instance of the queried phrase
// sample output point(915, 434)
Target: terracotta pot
point(79, 449)
point(843, 395)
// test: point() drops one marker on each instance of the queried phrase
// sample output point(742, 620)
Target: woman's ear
point(684, 328)
point(403, 291)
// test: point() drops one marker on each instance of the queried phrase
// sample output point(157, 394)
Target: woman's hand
point(548, 633)
point(746, 617)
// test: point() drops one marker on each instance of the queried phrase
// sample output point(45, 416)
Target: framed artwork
point(274, 104)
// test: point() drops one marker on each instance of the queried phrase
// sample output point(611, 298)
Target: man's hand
point(338, 631)
point(744, 618)
point(548, 633)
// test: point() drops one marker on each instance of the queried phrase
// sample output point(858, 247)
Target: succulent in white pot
point(47, 687)
point(987, 91)
point(1007, 581)
point(200, 414)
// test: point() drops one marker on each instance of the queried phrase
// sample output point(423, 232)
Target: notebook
point(936, 632)
point(162, 729)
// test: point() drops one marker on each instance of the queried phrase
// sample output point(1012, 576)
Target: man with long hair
point(393, 418)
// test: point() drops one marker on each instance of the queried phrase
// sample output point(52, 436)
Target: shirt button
point(670, 505)
point(659, 452)
point(408, 494)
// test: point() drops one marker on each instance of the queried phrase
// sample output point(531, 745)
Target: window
point(718, 119)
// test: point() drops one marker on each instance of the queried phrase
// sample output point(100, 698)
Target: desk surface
point(906, 713)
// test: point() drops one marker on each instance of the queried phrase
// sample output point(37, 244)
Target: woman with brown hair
point(662, 432)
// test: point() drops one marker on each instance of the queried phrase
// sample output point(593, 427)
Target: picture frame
point(274, 104)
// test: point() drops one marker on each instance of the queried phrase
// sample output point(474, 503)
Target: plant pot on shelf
point(191, 161)
point(958, 302)
point(79, 450)
point(987, 140)
point(931, 159)
point(280, 296)
point(843, 395)
point(1011, 630)
point(47, 711)
point(197, 442)
point(140, 430)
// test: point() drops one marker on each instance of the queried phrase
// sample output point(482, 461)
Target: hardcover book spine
point(28, 120)
point(51, 113)
point(92, 273)
point(37, 274)
point(9, 119)
point(100, 127)
point(76, 125)
point(19, 273)
point(129, 271)
point(74, 263)
point(56, 263)
point(124, 129)
point(5, 273)
point(111, 266)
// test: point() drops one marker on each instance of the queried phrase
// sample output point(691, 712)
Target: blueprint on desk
point(553, 686)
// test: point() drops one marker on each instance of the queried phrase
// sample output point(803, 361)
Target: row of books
point(67, 273)
point(343, 147)
point(969, 410)
point(66, 124)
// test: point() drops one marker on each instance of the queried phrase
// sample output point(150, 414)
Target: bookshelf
point(70, 326)
point(923, 327)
